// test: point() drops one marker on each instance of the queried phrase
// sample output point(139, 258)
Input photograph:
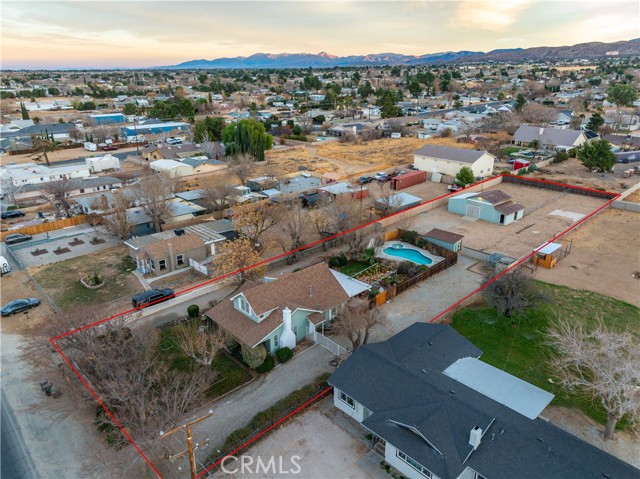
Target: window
point(163, 264)
point(180, 259)
point(415, 464)
point(81, 190)
point(295, 331)
point(276, 341)
point(244, 306)
point(153, 264)
point(333, 312)
point(348, 400)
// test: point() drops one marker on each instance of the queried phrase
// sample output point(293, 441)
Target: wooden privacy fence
point(441, 266)
point(49, 226)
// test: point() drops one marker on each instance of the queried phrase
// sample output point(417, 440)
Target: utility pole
point(190, 449)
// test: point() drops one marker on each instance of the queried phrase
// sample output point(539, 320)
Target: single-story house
point(282, 312)
point(102, 163)
point(164, 255)
point(32, 173)
point(344, 188)
point(348, 128)
point(448, 161)
point(434, 410)
point(446, 239)
point(172, 168)
point(77, 187)
point(493, 206)
point(557, 138)
point(170, 152)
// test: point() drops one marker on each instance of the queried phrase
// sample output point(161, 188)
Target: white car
point(381, 176)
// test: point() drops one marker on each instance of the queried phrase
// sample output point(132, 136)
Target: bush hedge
point(338, 260)
point(193, 311)
point(284, 354)
point(270, 415)
point(409, 236)
point(268, 365)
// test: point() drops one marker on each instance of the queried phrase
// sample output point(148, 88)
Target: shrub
point(561, 156)
point(268, 364)
point(338, 260)
point(254, 357)
point(373, 292)
point(284, 354)
point(12, 207)
point(193, 311)
point(409, 236)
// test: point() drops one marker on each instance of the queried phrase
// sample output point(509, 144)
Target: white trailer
point(90, 146)
point(103, 163)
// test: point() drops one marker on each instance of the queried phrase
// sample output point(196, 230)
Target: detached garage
point(492, 206)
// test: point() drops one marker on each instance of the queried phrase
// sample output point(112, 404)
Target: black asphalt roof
point(429, 416)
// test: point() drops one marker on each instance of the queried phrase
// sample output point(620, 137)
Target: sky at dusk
point(111, 34)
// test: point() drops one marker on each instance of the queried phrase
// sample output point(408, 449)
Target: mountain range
point(325, 60)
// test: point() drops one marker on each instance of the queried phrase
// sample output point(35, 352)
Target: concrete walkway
point(237, 409)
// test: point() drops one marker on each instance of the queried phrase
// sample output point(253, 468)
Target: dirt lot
point(633, 197)
point(545, 216)
point(18, 285)
point(604, 257)
point(352, 159)
point(323, 449)
point(70, 154)
point(573, 172)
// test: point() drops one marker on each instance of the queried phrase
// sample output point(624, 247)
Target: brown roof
point(313, 288)
point(494, 197)
point(180, 244)
point(291, 291)
point(443, 235)
point(508, 207)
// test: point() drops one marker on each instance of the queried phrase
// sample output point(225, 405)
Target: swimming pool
point(398, 250)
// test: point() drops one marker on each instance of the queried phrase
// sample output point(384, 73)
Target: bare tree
point(255, 220)
point(536, 114)
point(601, 363)
point(213, 149)
point(236, 256)
point(59, 192)
point(242, 166)
point(305, 121)
point(386, 199)
point(291, 226)
point(321, 224)
point(43, 146)
point(153, 195)
point(512, 293)
point(200, 342)
point(118, 221)
point(356, 320)
point(217, 191)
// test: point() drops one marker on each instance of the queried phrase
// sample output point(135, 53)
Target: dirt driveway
point(604, 257)
point(314, 442)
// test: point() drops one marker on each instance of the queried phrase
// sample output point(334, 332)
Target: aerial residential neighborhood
point(320, 265)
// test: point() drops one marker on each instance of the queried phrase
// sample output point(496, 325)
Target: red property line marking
point(265, 431)
point(302, 248)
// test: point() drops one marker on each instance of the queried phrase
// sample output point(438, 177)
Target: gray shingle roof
point(547, 136)
point(401, 381)
point(463, 155)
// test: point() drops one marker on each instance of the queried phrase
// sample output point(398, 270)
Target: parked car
point(365, 179)
point(381, 176)
point(11, 214)
point(110, 148)
point(16, 238)
point(152, 296)
point(19, 305)
point(454, 187)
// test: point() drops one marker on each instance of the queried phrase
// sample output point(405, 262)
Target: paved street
point(16, 459)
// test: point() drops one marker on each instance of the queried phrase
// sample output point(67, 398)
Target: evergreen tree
point(25, 112)
point(597, 154)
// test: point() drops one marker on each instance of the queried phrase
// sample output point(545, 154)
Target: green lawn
point(231, 374)
point(353, 267)
point(62, 280)
point(508, 150)
point(517, 345)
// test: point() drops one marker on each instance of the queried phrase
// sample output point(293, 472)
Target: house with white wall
point(448, 161)
point(435, 410)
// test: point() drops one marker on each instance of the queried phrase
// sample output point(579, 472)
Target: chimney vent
point(474, 437)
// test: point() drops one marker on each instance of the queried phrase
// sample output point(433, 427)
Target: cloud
point(489, 14)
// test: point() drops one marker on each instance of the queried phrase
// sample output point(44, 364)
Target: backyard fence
point(548, 185)
point(328, 344)
point(49, 226)
point(435, 269)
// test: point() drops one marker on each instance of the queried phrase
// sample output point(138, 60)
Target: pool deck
point(381, 254)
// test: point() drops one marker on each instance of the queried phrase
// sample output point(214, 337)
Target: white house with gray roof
point(449, 161)
point(556, 138)
point(434, 410)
